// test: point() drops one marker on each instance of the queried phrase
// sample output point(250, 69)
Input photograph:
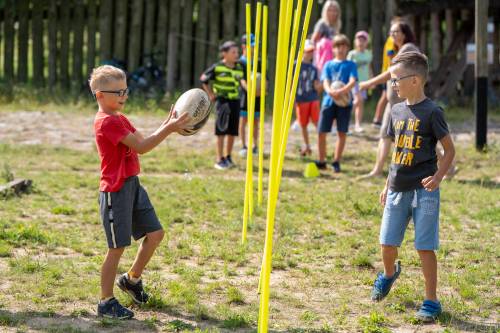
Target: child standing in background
point(362, 57)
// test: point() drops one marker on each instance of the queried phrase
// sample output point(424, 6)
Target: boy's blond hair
point(414, 62)
point(101, 76)
point(341, 39)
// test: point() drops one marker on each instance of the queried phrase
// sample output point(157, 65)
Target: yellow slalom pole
point(283, 41)
point(262, 107)
point(249, 83)
point(273, 196)
point(277, 107)
point(251, 109)
point(289, 107)
point(296, 22)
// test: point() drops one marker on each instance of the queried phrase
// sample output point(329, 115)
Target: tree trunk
point(230, 12)
point(22, 40)
point(200, 59)
point(91, 34)
point(214, 30)
point(423, 35)
point(64, 27)
point(187, 43)
point(390, 10)
point(134, 48)
point(37, 39)
point(363, 15)
point(173, 38)
point(105, 30)
point(377, 20)
point(149, 25)
point(120, 29)
point(78, 27)
point(52, 38)
point(8, 29)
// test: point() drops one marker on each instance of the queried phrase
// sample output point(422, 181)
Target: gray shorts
point(127, 213)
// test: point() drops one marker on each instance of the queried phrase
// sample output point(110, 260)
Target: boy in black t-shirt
point(412, 187)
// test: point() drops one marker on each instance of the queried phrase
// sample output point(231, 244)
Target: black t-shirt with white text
point(416, 130)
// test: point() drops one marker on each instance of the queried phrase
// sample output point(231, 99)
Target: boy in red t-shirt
point(124, 204)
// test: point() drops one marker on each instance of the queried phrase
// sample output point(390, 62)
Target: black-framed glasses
point(120, 93)
point(396, 81)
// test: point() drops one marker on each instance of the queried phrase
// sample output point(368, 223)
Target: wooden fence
point(50, 43)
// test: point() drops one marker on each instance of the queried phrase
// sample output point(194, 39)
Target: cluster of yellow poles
point(285, 87)
point(252, 63)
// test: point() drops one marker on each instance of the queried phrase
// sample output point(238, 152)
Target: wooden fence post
point(450, 27)
point(436, 38)
point(186, 45)
point(200, 59)
point(52, 39)
point(134, 45)
point(350, 20)
point(64, 30)
point(8, 31)
point(120, 29)
point(481, 73)
point(91, 35)
point(78, 27)
point(173, 37)
point(213, 53)
point(162, 32)
point(377, 20)
point(362, 15)
point(149, 24)
point(105, 30)
point(37, 40)
point(22, 40)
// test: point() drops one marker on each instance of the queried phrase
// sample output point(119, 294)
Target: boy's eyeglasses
point(396, 81)
point(120, 93)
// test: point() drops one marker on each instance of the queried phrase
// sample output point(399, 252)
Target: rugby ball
point(344, 99)
point(196, 103)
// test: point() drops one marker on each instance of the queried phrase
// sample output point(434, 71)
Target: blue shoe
point(113, 309)
point(382, 285)
point(336, 166)
point(229, 162)
point(136, 291)
point(429, 311)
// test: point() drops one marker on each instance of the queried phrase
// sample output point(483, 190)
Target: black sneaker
point(134, 290)
point(113, 309)
point(336, 167)
point(320, 165)
point(229, 162)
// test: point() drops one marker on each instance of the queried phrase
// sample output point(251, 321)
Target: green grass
point(326, 252)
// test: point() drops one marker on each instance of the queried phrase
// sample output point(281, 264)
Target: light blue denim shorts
point(421, 206)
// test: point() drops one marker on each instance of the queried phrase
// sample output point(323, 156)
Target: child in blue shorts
point(338, 69)
point(412, 187)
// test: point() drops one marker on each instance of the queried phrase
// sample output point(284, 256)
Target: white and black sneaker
point(136, 291)
point(221, 165)
point(229, 162)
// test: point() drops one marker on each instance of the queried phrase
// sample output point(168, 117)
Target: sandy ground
point(76, 131)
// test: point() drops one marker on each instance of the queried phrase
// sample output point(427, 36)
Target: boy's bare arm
point(381, 78)
point(317, 86)
point(208, 89)
point(383, 194)
point(432, 182)
point(143, 145)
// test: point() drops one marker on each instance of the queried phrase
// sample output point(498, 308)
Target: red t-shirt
point(118, 162)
